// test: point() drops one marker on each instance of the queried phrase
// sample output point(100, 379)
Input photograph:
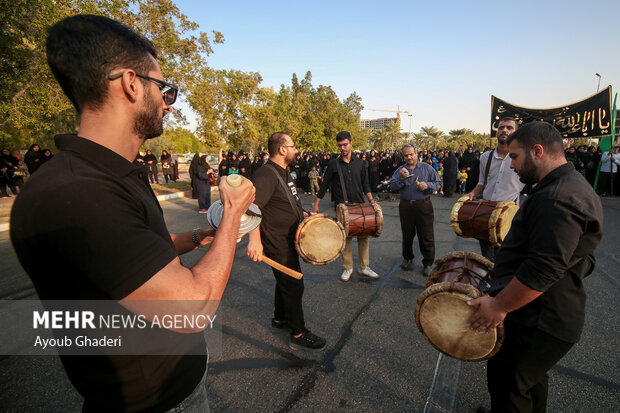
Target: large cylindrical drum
point(481, 219)
point(442, 313)
point(360, 220)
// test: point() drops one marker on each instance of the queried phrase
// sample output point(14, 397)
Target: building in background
point(378, 124)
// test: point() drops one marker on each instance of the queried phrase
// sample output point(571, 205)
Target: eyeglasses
point(168, 90)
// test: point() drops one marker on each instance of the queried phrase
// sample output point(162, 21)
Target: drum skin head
point(442, 316)
point(319, 239)
point(504, 220)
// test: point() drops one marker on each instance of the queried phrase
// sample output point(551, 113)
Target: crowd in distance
point(459, 169)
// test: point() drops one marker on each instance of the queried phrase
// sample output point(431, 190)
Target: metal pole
point(599, 82)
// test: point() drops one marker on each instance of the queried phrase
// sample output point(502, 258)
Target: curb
point(173, 195)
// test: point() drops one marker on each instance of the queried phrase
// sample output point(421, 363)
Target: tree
point(429, 137)
point(30, 98)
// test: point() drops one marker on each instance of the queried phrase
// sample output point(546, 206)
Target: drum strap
point(486, 172)
point(288, 193)
point(344, 189)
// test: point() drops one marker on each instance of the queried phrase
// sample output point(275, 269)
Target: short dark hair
point(342, 136)
point(509, 119)
point(275, 142)
point(82, 50)
point(539, 132)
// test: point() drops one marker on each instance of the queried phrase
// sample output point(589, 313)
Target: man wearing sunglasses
point(88, 226)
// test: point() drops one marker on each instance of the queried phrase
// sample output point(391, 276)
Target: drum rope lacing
point(465, 270)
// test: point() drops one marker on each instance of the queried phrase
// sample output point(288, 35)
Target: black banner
point(588, 118)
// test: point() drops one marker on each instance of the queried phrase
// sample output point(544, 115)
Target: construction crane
point(398, 112)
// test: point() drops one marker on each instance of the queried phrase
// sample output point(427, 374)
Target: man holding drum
point(354, 178)
point(88, 226)
point(546, 255)
point(278, 200)
point(497, 182)
point(416, 181)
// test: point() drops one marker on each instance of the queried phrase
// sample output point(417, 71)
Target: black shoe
point(279, 324)
point(407, 265)
point(427, 270)
point(308, 341)
point(481, 409)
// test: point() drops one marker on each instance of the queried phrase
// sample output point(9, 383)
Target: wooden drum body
point(442, 313)
point(481, 219)
point(319, 239)
point(360, 219)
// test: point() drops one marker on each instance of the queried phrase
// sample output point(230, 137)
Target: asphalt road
point(375, 360)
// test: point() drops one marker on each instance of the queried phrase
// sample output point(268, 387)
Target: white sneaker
point(346, 275)
point(368, 272)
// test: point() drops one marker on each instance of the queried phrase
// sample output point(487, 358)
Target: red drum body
point(481, 219)
point(360, 219)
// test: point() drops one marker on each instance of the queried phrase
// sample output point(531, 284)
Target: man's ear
point(537, 151)
point(129, 82)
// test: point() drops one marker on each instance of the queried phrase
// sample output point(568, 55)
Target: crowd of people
point(459, 169)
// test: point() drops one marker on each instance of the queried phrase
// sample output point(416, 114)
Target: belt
point(420, 201)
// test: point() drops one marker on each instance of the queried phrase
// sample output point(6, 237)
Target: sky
point(439, 60)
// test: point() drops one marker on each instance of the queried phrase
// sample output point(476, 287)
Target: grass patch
point(171, 187)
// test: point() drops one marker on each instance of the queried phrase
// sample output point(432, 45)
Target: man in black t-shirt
point(546, 255)
point(88, 226)
point(275, 238)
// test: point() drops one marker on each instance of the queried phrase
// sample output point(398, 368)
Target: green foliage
point(236, 112)
point(177, 140)
point(30, 98)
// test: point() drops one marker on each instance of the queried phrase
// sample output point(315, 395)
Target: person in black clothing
point(9, 165)
point(546, 255)
point(471, 163)
point(356, 189)
point(450, 174)
point(592, 163)
point(32, 159)
point(46, 155)
point(202, 183)
point(166, 165)
point(139, 161)
point(151, 162)
point(275, 238)
point(223, 166)
point(245, 166)
point(87, 226)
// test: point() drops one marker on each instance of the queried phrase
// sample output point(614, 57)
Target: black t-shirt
point(88, 226)
point(279, 221)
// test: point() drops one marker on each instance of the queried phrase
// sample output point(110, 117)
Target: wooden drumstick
point(284, 269)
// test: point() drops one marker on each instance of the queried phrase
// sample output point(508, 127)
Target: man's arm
point(184, 242)
point(255, 245)
point(207, 279)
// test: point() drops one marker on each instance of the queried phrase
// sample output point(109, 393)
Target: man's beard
point(527, 174)
point(149, 124)
point(290, 158)
point(501, 141)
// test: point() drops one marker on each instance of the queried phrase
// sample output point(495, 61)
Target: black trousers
point(517, 375)
point(289, 291)
point(418, 219)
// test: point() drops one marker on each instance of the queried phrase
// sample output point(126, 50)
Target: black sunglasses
point(168, 90)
